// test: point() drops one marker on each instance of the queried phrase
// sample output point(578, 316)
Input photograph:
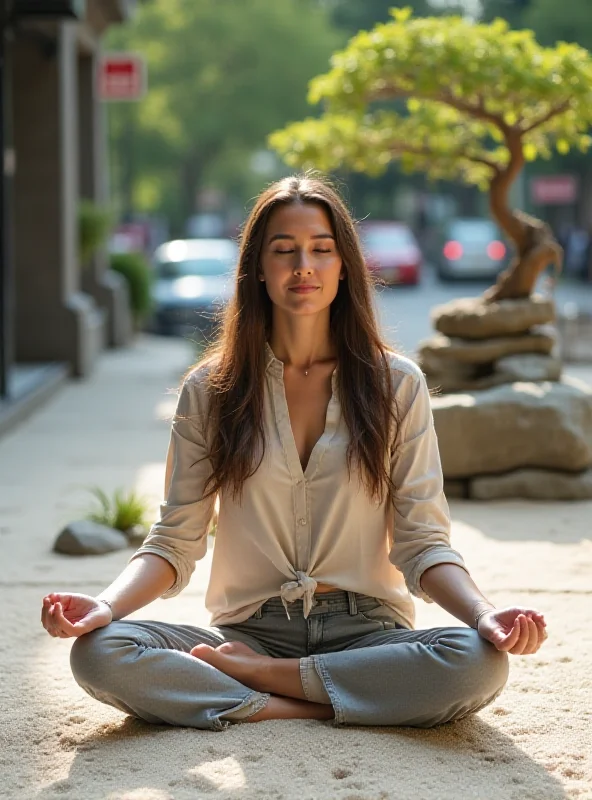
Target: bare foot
point(288, 708)
point(280, 676)
point(239, 661)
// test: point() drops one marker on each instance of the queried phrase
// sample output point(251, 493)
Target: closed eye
point(316, 250)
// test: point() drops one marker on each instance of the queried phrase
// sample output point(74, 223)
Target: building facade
point(55, 317)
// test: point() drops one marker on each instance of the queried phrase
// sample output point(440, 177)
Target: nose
point(303, 265)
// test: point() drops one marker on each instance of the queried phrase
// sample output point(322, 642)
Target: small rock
point(472, 318)
point(533, 484)
point(524, 367)
point(438, 352)
point(445, 383)
point(136, 535)
point(458, 376)
point(466, 372)
point(85, 538)
point(546, 425)
point(529, 367)
point(457, 490)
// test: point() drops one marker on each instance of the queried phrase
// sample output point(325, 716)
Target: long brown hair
point(236, 361)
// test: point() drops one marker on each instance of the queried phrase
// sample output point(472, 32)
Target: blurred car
point(392, 252)
point(471, 248)
point(193, 280)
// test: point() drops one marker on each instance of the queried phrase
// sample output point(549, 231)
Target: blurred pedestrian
point(319, 442)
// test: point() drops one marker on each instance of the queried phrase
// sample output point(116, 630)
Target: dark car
point(471, 249)
point(392, 252)
point(193, 280)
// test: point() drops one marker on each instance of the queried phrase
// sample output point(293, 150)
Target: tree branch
point(553, 112)
point(479, 160)
point(476, 111)
point(460, 154)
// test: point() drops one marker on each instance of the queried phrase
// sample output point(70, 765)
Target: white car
point(193, 280)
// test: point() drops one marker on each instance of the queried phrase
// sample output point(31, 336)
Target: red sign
point(121, 76)
point(554, 190)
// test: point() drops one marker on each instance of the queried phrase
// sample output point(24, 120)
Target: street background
point(405, 311)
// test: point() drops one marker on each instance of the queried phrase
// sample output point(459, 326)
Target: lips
point(304, 289)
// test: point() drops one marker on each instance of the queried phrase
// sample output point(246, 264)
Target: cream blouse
point(294, 529)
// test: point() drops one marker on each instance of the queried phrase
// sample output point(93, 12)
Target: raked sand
point(533, 743)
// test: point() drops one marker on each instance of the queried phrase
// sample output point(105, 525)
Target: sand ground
point(533, 743)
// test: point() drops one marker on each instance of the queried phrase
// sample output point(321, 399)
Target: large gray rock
point(533, 484)
point(472, 318)
point(438, 352)
point(546, 425)
point(86, 538)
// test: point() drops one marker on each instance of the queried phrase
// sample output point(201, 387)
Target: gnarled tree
point(480, 101)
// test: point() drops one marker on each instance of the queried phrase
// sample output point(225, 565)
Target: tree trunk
point(536, 247)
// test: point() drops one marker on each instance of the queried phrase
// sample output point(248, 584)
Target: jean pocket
point(380, 614)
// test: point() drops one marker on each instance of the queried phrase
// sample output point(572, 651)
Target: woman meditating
point(319, 442)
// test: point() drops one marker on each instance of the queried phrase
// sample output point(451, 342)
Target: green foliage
point(221, 76)
point(94, 224)
point(469, 89)
point(121, 511)
point(569, 21)
point(137, 272)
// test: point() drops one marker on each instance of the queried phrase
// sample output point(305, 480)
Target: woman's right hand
point(66, 615)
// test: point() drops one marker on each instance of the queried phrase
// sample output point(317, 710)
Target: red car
point(392, 253)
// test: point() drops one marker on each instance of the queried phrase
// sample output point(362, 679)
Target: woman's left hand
point(520, 631)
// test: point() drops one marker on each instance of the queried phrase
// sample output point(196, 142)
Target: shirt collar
point(273, 364)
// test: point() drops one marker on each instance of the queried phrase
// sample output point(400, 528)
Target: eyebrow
point(277, 236)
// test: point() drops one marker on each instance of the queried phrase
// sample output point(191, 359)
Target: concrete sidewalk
point(57, 743)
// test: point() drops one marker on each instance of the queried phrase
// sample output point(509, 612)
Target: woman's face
point(300, 263)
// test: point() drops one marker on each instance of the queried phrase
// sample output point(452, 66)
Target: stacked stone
point(480, 345)
point(508, 423)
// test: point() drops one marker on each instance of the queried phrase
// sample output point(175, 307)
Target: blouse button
point(302, 521)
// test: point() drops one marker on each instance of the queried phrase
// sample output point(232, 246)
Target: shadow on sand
point(304, 760)
point(516, 520)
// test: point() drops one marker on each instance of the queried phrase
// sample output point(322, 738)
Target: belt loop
point(353, 606)
point(259, 613)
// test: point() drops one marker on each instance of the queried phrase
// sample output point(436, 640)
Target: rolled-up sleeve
point(180, 533)
point(421, 527)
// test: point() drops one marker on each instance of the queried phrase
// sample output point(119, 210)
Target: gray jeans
point(372, 670)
